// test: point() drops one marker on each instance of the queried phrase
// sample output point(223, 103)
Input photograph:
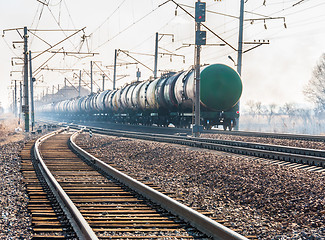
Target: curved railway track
point(79, 196)
point(305, 156)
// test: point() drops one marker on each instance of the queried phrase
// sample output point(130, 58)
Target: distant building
point(64, 93)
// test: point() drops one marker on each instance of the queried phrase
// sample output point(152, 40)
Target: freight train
point(163, 101)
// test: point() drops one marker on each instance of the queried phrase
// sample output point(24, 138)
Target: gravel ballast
point(256, 198)
point(15, 220)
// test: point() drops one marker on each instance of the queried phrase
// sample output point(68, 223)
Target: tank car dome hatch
point(221, 87)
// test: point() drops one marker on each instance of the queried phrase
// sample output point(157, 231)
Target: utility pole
point(15, 99)
point(114, 77)
point(240, 37)
point(200, 39)
point(156, 57)
point(21, 100)
point(155, 71)
point(26, 104)
point(103, 82)
point(240, 50)
point(31, 89)
point(52, 95)
point(79, 89)
point(91, 77)
point(138, 75)
point(196, 130)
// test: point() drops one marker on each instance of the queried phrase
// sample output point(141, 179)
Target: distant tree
point(258, 106)
point(288, 109)
point(315, 88)
point(255, 108)
point(305, 114)
point(251, 106)
point(271, 112)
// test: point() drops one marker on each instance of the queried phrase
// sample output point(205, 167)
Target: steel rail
point(79, 224)
point(306, 137)
point(269, 147)
point(284, 153)
point(196, 219)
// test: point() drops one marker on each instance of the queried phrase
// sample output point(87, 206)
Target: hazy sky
point(274, 73)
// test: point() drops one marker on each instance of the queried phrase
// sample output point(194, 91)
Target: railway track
point(306, 137)
point(48, 218)
point(171, 131)
point(79, 196)
point(164, 130)
point(295, 155)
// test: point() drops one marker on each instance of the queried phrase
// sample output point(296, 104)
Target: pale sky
point(274, 73)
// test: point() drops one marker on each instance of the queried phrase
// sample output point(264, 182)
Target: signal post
point(200, 39)
point(25, 107)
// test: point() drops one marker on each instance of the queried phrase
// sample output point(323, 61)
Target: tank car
point(164, 101)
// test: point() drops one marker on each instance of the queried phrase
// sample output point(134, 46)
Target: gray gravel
point(15, 221)
point(268, 201)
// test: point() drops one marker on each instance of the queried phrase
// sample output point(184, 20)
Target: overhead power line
point(58, 43)
point(127, 54)
point(119, 6)
point(134, 23)
point(218, 13)
point(298, 3)
point(206, 27)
